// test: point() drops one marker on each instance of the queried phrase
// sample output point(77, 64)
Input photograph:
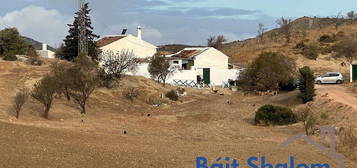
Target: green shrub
point(172, 95)
point(10, 57)
point(267, 71)
point(307, 84)
point(290, 85)
point(327, 39)
point(274, 115)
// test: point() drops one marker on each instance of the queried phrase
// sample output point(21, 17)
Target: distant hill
point(37, 44)
point(305, 29)
point(299, 25)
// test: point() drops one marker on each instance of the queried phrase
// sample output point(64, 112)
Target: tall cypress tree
point(69, 51)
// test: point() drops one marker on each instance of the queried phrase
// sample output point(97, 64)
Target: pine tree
point(69, 51)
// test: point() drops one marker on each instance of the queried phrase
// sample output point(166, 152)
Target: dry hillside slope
point(245, 51)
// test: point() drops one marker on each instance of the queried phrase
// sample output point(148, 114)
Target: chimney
point(44, 47)
point(138, 31)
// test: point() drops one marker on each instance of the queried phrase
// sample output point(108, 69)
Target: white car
point(330, 77)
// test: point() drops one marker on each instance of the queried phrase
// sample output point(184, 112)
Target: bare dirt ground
point(338, 94)
point(173, 135)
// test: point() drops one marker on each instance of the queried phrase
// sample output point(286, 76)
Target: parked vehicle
point(330, 77)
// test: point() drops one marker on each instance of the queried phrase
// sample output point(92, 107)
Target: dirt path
point(338, 93)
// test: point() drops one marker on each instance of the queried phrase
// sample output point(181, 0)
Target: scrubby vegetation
point(267, 71)
point(306, 116)
point(20, 100)
point(311, 51)
point(33, 58)
point(346, 48)
point(172, 95)
point(327, 38)
point(131, 93)
point(274, 115)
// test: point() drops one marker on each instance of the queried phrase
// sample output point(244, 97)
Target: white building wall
point(183, 75)
point(140, 48)
point(222, 76)
point(46, 53)
point(212, 58)
point(141, 71)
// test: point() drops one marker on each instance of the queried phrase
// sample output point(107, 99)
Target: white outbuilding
point(45, 53)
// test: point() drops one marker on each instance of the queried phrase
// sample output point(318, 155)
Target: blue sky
point(163, 21)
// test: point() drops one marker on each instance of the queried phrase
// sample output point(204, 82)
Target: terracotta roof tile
point(186, 54)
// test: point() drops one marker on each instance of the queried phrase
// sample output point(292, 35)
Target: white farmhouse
point(203, 64)
point(118, 43)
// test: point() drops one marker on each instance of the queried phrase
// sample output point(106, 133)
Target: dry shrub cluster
point(131, 93)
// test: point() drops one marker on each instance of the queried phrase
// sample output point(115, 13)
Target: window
point(176, 62)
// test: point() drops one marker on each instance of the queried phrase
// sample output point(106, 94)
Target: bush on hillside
point(306, 116)
point(9, 57)
point(310, 51)
point(327, 39)
point(300, 45)
point(346, 48)
point(172, 95)
point(131, 93)
point(307, 84)
point(267, 71)
point(274, 115)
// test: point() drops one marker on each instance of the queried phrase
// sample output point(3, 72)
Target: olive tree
point(116, 64)
point(216, 41)
point(83, 80)
point(267, 71)
point(20, 100)
point(160, 68)
point(44, 91)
